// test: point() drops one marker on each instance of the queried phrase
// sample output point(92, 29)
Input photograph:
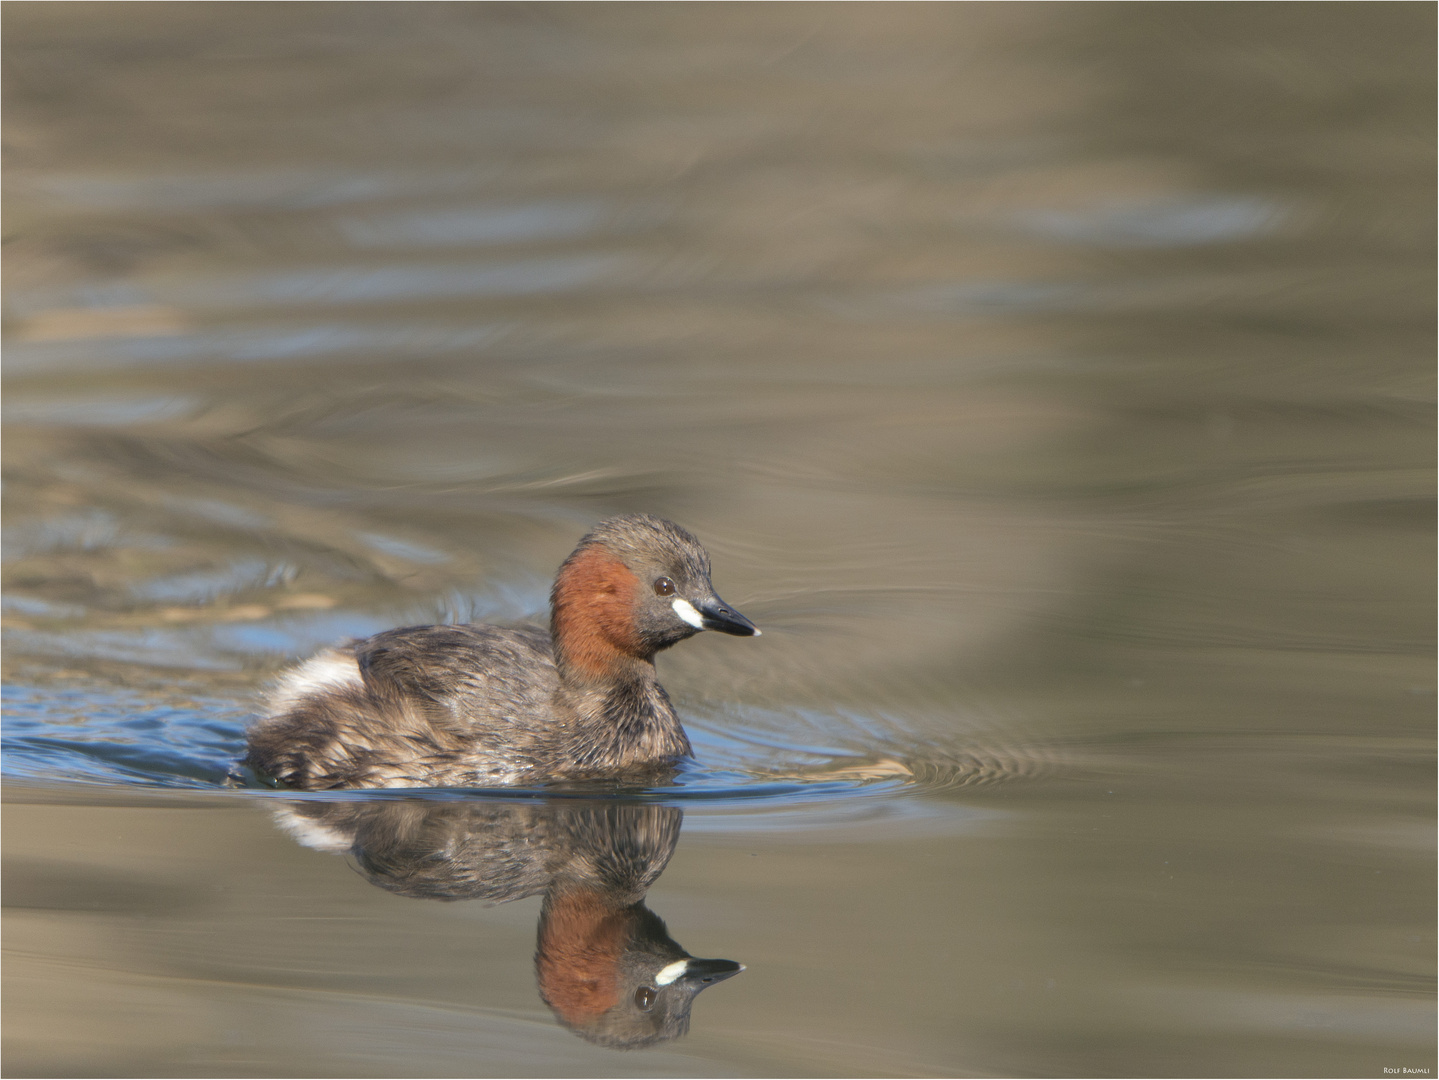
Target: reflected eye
point(645, 997)
point(664, 586)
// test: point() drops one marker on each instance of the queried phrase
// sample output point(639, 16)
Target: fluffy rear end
point(324, 727)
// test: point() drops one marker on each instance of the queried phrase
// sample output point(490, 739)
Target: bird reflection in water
point(605, 962)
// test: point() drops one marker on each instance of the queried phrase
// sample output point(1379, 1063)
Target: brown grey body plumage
point(478, 705)
point(605, 963)
point(495, 851)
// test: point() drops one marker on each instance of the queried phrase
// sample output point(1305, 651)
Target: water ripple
point(100, 736)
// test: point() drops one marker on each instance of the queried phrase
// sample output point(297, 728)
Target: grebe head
point(613, 975)
point(635, 585)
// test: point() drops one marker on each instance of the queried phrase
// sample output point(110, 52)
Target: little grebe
point(476, 705)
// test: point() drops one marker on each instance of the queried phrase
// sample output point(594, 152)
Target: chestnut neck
point(592, 622)
point(582, 936)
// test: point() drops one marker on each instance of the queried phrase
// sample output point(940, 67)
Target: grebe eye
point(645, 997)
point(664, 586)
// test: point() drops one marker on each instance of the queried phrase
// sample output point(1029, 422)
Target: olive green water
point(1053, 384)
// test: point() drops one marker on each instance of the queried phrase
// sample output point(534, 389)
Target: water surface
point(1052, 384)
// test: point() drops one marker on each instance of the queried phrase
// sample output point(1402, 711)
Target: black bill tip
point(704, 973)
point(717, 615)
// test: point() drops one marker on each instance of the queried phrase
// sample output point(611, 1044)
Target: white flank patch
point(312, 833)
point(686, 611)
point(328, 670)
point(670, 972)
